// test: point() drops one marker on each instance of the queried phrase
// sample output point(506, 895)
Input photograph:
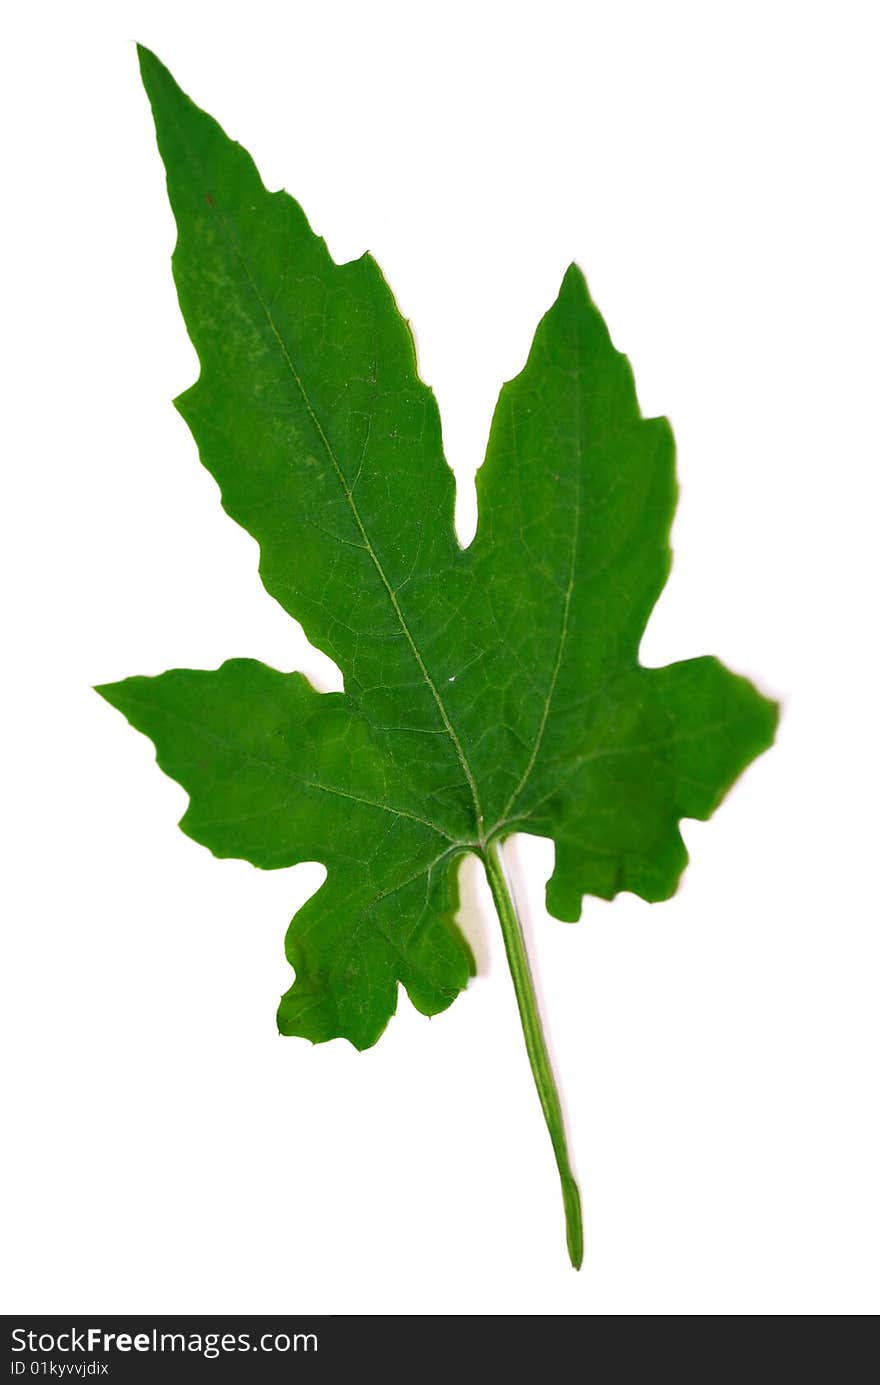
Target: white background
point(712, 167)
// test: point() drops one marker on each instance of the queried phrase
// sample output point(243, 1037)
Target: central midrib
point(346, 490)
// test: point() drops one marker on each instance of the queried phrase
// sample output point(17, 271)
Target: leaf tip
point(118, 694)
point(574, 283)
point(154, 74)
point(147, 60)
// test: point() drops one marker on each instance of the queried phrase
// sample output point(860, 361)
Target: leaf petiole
point(536, 1047)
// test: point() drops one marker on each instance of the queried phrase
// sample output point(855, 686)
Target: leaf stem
point(536, 1047)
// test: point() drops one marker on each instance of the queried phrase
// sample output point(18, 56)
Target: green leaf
point(487, 690)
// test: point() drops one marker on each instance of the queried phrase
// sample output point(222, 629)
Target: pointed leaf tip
point(147, 60)
point(155, 75)
point(574, 282)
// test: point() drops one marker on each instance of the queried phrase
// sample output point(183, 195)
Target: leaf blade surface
point(487, 690)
